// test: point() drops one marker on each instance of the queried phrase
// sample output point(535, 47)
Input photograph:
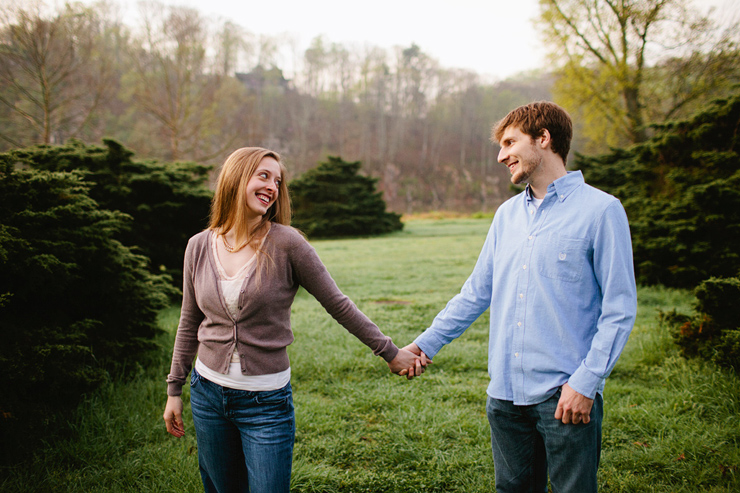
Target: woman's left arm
point(315, 278)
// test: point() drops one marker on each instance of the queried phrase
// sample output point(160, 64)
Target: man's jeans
point(245, 439)
point(528, 442)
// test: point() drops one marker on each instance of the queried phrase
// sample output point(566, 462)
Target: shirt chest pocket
point(561, 257)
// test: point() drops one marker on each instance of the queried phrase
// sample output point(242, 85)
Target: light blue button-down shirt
point(560, 283)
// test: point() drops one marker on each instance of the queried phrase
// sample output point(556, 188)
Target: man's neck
point(549, 171)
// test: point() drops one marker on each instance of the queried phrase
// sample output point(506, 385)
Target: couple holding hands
point(555, 270)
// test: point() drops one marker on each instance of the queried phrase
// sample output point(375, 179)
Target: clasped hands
point(409, 362)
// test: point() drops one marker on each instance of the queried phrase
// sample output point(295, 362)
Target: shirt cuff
point(585, 383)
point(389, 352)
point(428, 344)
point(174, 389)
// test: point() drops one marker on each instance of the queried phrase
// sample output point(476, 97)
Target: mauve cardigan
point(262, 330)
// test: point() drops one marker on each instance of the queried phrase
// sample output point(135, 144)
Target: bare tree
point(53, 75)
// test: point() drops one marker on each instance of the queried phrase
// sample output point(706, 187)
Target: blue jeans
point(245, 439)
point(528, 443)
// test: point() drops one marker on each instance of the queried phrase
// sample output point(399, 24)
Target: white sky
point(495, 38)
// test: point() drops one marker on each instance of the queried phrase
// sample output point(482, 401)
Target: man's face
point(520, 154)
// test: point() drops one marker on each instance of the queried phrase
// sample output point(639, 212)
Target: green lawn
point(671, 425)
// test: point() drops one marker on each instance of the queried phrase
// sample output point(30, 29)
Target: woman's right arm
point(186, 346)
point(186, 339)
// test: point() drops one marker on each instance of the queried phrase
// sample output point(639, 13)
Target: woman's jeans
point(245, 439)
point(528, 443)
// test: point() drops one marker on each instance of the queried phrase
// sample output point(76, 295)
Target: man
point(556, 270)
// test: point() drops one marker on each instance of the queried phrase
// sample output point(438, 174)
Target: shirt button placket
point(518, 336)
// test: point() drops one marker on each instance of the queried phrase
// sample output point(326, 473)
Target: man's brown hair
point(535, 117)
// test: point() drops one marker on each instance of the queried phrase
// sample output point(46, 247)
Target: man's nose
point(502, 155)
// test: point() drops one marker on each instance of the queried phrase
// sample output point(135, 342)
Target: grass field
point(671, 425)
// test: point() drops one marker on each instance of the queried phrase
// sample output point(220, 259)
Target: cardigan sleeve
point(186, 339)
point(315, 278)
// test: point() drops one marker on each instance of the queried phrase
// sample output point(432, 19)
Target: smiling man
point(556, 271)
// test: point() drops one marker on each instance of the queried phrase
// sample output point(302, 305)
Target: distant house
point(260, 78)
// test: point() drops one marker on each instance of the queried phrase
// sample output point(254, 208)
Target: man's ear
point(545, 139)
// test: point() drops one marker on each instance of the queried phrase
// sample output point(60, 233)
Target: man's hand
point(420, 366)
point(573, 407)
point(404, 360)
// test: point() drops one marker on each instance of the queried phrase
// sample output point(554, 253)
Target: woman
point(240, 278)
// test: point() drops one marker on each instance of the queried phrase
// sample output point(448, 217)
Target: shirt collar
point(565, 185)
point(562, 187)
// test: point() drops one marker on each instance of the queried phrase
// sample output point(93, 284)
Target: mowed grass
point(671, 425)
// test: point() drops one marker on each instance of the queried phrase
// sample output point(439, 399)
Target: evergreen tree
point(681, 190)
point(332, 200)
point(169, 202)
point(75, 304)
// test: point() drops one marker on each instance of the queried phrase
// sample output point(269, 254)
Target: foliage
point(611, 76)
point(332, 200)
point(681, 190)
point(168, 202)
point(714, 331)
point(670, 424)
point(75, 303)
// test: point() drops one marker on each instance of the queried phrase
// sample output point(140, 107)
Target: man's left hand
point(573, 407)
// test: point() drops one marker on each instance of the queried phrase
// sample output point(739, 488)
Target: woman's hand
point(173, 416)
point(423, 361)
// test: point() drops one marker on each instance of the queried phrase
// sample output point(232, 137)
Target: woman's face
point(263, 186)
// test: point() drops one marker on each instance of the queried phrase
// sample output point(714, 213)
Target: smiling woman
point(240, 278)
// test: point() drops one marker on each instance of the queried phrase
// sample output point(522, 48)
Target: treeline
point(180, 86)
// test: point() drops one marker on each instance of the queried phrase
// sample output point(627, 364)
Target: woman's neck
point(253, 228)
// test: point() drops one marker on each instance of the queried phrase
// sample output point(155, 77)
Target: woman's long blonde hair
point(229, 205)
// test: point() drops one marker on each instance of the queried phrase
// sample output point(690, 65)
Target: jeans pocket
point(194, 378)
point(277, 397)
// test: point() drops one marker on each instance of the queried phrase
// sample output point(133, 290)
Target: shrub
point(681, 191)
point(332, 200)
point(714, 331)
point(169, 202)
point(75, 304)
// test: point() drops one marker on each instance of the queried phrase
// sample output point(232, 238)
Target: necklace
point(230, 248)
